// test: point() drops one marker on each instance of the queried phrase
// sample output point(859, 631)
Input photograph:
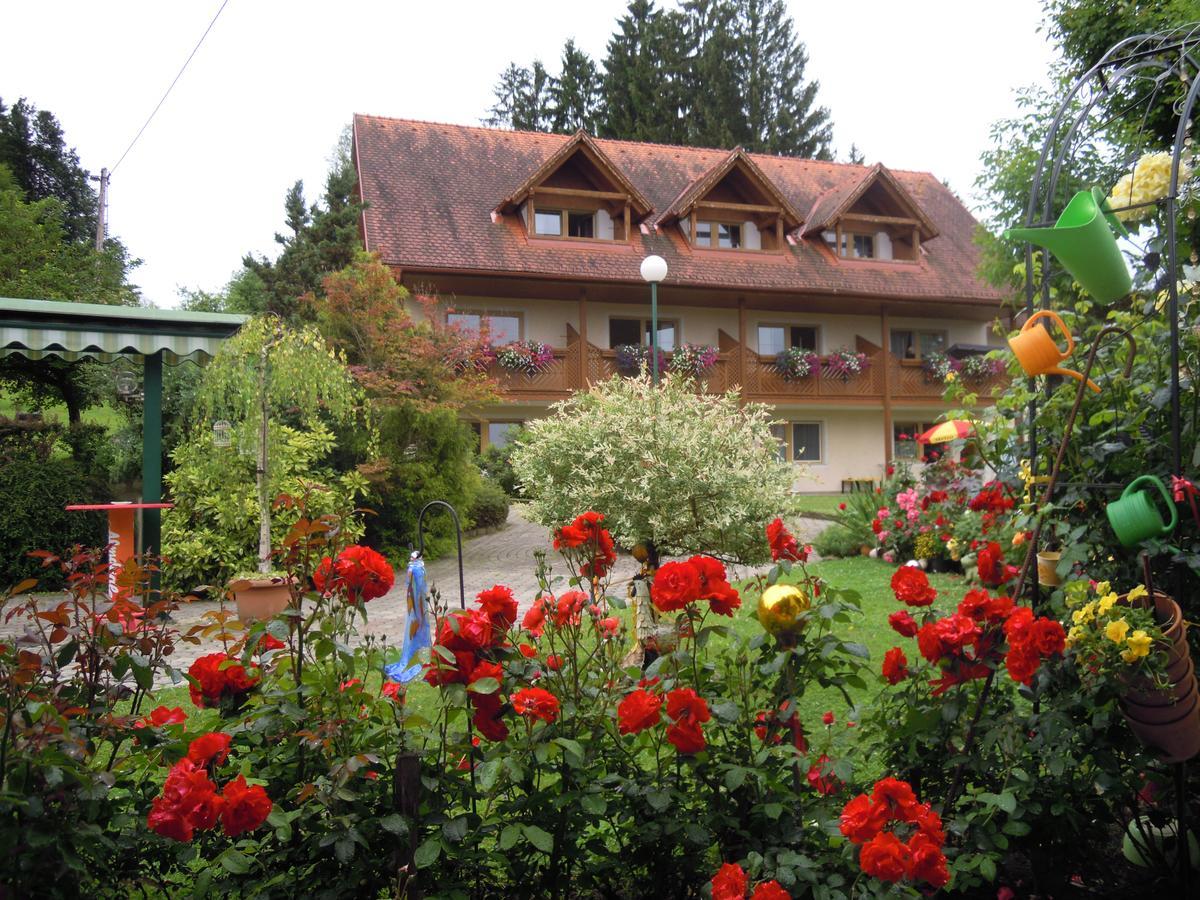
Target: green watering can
point(1084, 243)
point(1134, 518)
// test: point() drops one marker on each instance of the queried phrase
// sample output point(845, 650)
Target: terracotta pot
point(1047, 567)
point(1173, 740)
point(260, 598)
point(865, 550)
point(1181, 690)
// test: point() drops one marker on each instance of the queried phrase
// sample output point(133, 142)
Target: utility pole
point(102, 210)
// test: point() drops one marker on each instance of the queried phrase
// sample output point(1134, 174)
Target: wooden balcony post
point(743, 348)
point(886, 341)
point(583, 336)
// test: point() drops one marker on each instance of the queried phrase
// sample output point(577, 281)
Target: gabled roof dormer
point(733, 206)
point(871, 217)
point(578, 194)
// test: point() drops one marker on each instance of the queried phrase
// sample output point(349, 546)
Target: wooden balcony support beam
point(581, 193)
point(886, 358)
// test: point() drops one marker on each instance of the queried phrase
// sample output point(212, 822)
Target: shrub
point(496, 463)
point(838, 540)
point(490, 506)
point(692, 472)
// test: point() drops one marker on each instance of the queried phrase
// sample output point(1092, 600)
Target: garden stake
point(1031, 550)
point(462, 590)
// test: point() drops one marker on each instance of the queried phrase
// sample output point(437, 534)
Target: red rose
point(160, 716)
point(688, 710)
point(487, 719)
point(535, 703)
point(269, 642)
point(783, 543)
point(822, 784)
point(499, 605)
point(1022, 662)
point(217, 676)
point(393, 690)
point(470, 630)
point(190, 794)
point(896, 797)
point(440, 671)
point(364, 573)
point(213, 746)
point(585, 532)
point(956, 631)
point(903, 623)
point(323, 575)
point(535, 618)
point(895, 666)
point(1048, 637)
point(638, 711)
point(569, 537)
point(929, 643)
point(676, 584)
point(926, 861)
point(723, 599)
point(885, 857)
point(608, 627)
point(167, 820)
point(927, 820)
point(246, 807)
point(862, 819)
point(687, 737)
point(992, 570)
point(554, 662)
point(729, 883)
point(712, 571)
point(911, 586)
point(770, 890)
point(570, 606)
point(827, 718)
point(527, 650)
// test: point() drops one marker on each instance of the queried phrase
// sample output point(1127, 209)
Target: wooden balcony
point(905, 380)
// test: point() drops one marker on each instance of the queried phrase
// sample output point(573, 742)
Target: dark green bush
point(426, 455)
point(496, 463)
point(491, 505)
point(838, 540)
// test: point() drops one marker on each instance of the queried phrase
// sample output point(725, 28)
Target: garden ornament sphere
point(654, 269)
point(781, 610)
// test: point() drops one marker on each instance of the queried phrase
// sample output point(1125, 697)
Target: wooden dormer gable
point(874, 206)
point(579, 177)
point(735, 192)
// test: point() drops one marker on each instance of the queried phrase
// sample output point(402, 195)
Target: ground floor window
point(800, 441)
point(498, 432)
point(904, 441)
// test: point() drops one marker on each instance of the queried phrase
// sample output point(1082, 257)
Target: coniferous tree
point(642, 92)
point(575, 93)
point(523, 99)
point(715, 111)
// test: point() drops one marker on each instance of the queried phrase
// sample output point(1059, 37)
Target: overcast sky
point(915, 85)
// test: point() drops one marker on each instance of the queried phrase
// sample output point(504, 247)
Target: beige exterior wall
point(852, 446)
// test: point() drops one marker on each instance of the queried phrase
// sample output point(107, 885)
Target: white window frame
point(787, 328)
point(789, 442)
point(482, 314)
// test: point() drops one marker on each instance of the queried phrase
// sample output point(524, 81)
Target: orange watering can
point(1038, 354)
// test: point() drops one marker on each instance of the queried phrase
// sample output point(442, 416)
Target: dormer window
point(723, 235)
point(565, 222)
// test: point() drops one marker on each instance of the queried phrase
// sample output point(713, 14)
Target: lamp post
point(654, 270)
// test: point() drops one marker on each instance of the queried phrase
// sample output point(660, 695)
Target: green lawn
point(823, 504)
point(107, 416)
point(870, 578)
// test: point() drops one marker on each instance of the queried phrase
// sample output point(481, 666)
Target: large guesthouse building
point(773, 263)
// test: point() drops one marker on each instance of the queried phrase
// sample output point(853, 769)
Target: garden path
point(504, 556)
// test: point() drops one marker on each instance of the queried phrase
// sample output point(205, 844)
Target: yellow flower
point(1138, 592)
point(1084, 614)
point(1102, 588)
point(1128, 656)
point(1116, 631)
point(1075, 635)
point(1107, 602)
point(950, 376)
point(1150, 180)
point(1139, 644)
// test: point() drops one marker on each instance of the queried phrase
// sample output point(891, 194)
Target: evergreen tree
point(856, 157)
point(575, 93)
point(523, 99)
point(713, 86)
point(642, 90)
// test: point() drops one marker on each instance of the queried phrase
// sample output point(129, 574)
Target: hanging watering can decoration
point(1134, 517)
point(1038, 354)
point(1084, 243)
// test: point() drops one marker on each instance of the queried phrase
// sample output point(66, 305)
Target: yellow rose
point(1138, 592)
point(1139, 644)
point(1107, 602)
point(1116, 631)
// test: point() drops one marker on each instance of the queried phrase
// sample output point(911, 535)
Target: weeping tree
point(272, 372)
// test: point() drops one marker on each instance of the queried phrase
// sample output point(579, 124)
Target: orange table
point(121, 542)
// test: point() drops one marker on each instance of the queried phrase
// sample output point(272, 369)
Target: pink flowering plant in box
point(844, 363)
point(796, 363)
point(530, 357)
point(693, 360)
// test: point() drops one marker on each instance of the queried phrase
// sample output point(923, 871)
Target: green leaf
point(203, 884)
point(773, 810)
point(987, 868)
point(234, 862)
point(344, 850)
point(570, 746)
point(735, 777)
point(456, 829)
point(859, 650)
point(394, 824)
point(1007, 802)
point(484, 686)
point(658, 800)
point(539, 838)
point(427, 853)
point(509, 836)
point(593, 804)
point(488, 773)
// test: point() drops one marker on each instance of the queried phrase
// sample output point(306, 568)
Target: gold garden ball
point(781, 608)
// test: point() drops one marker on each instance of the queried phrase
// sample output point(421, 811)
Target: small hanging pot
point(1047, 567)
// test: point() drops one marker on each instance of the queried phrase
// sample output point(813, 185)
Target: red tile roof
point(698, 188)
point(430, 190)
point(836, 201)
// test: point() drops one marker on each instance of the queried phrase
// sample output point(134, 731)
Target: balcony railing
point(905, 380)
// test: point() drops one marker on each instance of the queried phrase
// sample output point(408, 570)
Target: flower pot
point(1172, 732)
point(1145, 696)
point(865, 550)
point(260, 598)
point(1145, 843)
point(1047, 567)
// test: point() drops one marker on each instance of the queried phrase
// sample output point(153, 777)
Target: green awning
point(40, 328)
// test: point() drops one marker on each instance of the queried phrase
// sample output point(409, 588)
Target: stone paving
point(504, 556)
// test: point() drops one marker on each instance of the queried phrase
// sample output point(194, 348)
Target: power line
point(169, 89)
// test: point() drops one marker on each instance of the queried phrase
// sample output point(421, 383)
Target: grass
point(110, 418)
point(870, 578)
point(822, 504)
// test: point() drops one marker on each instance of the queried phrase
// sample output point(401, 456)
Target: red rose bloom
point(903, 623)
point(585, 532)
point(956, 631)
point(895, 666)
point(638, 711)
point(608, 627)
point(218, 676)
point(723, 599)
point(1048, 637)
point(246, 807)
point(926, 861)
point(213, 747)
point(499, 605)
point(323, 576)
point(929, 643)
point(729, 883)
point(896, 797)
point(911, 586)
point(393, 690)
point(469, 630)
point(862, 819)
point(687, 736)
point(1022, 662)
point(570, 606)
point(487, 719)
point(822, 784)
point(160, 716)
point(770, 890)
point(885, 857)
point(528, 651)
point(676, 584)
point(783, 543)
point(535, 703)
point(688, 710)
point(364, 573)
point(535, 618)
